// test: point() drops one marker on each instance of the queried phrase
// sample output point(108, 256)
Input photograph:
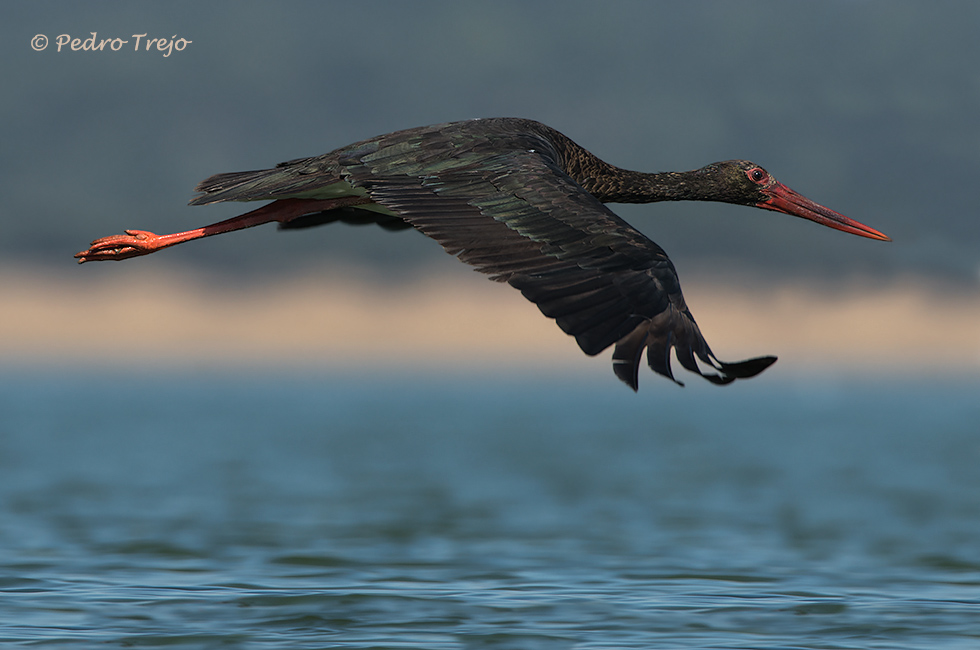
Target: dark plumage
point(522, 203)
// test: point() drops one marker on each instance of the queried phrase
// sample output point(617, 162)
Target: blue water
point(208, 509)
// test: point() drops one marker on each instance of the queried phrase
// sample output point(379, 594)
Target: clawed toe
point(119, 247)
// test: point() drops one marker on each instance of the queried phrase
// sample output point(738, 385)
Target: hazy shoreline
point(148, 318)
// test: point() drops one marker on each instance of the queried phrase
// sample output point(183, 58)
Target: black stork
point(524, 204)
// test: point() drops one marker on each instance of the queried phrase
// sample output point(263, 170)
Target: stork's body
point(523, 203)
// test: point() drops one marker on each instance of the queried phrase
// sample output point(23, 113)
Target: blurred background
point(869, 108)
point(344, 436)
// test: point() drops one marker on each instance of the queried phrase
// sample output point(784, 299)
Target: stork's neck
point(611, 184)
point(616, 185)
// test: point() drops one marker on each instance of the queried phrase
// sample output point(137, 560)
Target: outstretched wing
point(516, 216)
point(519, 218)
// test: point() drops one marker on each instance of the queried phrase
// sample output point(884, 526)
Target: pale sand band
point(327, 320)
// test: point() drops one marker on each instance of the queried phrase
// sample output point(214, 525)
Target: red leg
point(140, 242)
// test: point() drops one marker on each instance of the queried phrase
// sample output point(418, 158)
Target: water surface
point(209, 509)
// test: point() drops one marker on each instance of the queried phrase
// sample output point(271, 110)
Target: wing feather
point(518, 217)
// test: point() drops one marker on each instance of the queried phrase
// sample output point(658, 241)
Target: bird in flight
point(524, 204)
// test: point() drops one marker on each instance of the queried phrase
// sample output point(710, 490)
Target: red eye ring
point(757, 175)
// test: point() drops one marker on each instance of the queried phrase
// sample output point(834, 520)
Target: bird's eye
point(757, 175)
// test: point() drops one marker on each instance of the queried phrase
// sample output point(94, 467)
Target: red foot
point(120, 247)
